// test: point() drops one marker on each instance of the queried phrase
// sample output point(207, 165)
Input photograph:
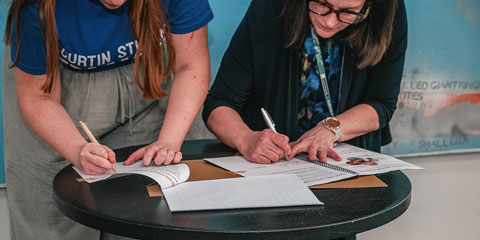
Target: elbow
point(384, 112)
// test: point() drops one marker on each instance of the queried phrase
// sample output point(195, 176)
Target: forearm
point(188, 91)
point(50, 121)
point(189, 87)
point(44, 114)
point(357, 121)
point(228, 126)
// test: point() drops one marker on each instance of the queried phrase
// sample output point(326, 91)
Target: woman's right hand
point(264, 147)
point(95, 159)
point(160, 153)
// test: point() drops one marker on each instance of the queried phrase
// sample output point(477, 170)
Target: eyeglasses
point(343, 15)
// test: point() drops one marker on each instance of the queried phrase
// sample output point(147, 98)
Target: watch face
point(332, 122)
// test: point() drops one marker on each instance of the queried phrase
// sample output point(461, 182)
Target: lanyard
point(321, 70)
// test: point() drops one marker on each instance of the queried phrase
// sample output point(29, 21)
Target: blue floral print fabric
point(312, 104)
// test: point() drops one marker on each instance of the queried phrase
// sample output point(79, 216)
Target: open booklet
point(355, 162)
point(232, 193)
point(165, 176)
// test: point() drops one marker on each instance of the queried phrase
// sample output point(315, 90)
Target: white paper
point(165, 176)
point(251, 192)
point(310, 173)
point(368, 162)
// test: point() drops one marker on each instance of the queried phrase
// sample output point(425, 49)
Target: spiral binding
point(304, 156)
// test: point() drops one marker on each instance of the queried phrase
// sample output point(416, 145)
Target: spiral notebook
point(304, 157)
point(355, 162)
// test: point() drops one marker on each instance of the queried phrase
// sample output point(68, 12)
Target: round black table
point(122, 206)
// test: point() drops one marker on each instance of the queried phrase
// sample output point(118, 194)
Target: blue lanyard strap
point(321, 70)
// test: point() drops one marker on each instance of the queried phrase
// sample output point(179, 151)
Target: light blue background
point(3, 16)
point(444, 38)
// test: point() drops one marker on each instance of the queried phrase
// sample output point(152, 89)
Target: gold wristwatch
point(333, 125)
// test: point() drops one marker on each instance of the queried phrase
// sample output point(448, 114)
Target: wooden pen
point(93, 139)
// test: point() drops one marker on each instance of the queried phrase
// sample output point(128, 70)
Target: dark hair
point(149, 26)
point(368, 39)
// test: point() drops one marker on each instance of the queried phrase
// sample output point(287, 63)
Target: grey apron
point(111, 104)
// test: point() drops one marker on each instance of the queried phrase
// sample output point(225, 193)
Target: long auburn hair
point(149, 26)
point(368, 39)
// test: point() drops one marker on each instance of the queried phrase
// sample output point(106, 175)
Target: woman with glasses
point(325, 70)
point(111, 64)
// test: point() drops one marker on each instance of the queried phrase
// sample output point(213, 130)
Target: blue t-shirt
point(91, 36)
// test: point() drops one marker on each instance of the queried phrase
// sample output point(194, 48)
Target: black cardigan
point(258, 71)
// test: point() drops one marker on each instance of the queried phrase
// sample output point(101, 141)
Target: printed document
point(366, 162)
point(233, 193)
point(355, 162)
point(165, 176)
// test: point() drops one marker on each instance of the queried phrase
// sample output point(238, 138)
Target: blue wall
point(3, 16)
point(227, 16)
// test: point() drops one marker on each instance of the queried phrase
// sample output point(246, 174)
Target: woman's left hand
point(159, 153)
point(317, 142)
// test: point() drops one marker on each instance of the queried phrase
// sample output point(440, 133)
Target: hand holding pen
point(94, 160)
point(264, 146)
point(268, 119)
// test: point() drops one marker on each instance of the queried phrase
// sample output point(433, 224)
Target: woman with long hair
point(325, 70)
point(111, 64)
